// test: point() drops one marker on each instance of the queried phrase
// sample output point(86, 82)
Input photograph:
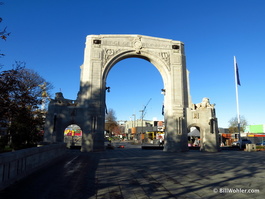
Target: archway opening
point(194, 136)
point(73, 136)
point(135, 96)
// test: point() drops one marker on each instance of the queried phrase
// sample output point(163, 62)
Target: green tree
point(233, 124)
point(20, 102)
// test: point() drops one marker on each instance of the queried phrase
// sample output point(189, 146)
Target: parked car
point(243, 143)
point(262, 143)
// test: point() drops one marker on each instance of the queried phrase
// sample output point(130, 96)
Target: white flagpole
point(237, 104)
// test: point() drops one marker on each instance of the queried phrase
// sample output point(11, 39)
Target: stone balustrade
point(18, 164)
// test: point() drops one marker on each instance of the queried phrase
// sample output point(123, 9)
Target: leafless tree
point(110, 121)
point(3, 32)
point(233, 124)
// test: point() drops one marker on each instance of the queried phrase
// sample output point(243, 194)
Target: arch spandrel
point(158, 63)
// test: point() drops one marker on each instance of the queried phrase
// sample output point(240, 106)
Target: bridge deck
point(131, 172)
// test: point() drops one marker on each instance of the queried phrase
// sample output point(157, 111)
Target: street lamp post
point(142, 117)
point(143, 113)
point(133, 120)
point(133, 123)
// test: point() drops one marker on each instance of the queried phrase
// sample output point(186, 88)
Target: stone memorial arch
point(102, 52)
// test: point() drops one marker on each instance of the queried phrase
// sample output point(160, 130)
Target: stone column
point(176, 102)
point(209, 132)
point(92, 94)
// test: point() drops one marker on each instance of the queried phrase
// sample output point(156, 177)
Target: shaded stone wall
point(19, 164)
point(203, 116)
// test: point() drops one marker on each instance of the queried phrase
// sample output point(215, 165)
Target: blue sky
point(50, 37)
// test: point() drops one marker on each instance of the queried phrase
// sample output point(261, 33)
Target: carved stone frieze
point(204, 104)
point(137, 45)
point(165, 56)
point(108, 53)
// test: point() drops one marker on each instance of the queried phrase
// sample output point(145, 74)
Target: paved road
point(131, 172)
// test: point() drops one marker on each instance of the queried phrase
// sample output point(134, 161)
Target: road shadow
point(72, 176)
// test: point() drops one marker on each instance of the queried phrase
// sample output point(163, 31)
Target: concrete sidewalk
point(136, 173)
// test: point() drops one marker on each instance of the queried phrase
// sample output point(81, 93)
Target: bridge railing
point(18, 164)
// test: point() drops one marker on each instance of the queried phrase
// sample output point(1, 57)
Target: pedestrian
point(196, 142)
point(161, 142)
